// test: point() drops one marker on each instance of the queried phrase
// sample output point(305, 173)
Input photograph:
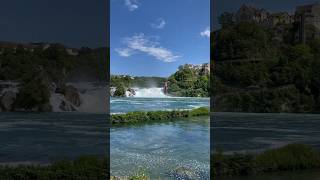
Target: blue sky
point(154, 37)
point(74, 23)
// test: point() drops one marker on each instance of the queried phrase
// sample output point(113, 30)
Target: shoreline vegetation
point(292, 157)
point(85, 167)
point(156, 116)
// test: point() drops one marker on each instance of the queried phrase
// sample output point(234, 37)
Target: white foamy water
point(93, 98)
point(149, 92)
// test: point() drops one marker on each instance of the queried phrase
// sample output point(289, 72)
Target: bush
point(293, 157)
point(154, 116)
point(289, 158)
point(85, 168)
point(120, 91)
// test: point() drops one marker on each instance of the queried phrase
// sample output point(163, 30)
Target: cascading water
point(149, 92)
point(93, 98)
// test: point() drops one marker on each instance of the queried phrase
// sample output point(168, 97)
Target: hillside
point(190, 81)
point(259, 68)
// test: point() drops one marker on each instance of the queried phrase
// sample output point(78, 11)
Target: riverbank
point(156, 116)
point(290, 158)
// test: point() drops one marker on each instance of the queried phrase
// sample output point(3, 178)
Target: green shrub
point(154, 116)
point(120, 91)
point(289, 158)
point(83, 168)
point(293, 157)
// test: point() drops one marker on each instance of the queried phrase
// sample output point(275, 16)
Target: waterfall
point(149, 92)
point(93, 99)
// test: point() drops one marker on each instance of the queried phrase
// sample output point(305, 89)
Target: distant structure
point(262, 16)
point(203, 69)
point(308, 17)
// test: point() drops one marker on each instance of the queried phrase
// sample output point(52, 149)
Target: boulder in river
point(183, 173)
point(66, 106)
point(7, 100)
point(119, 178)
point(72, 95)
point(130, 92)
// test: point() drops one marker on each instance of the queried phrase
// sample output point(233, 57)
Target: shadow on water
point(303, 175)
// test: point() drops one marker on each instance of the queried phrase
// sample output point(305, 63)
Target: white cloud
point(125, 52)
point(132, 4)
point(144, 44)
point(206, 33)
point(158, 24)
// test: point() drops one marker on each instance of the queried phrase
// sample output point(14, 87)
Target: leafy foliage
point(84, 167)
point(120, 91)
point(256, 72)
point(189, 82)
point(292, 157)
point(38, 67)
point(156, 116)
point(142, 82)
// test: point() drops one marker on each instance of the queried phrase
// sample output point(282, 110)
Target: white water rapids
point(93, 98)
point(149, 92)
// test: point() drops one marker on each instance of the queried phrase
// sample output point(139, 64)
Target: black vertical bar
point(108, 87)
point(211, 85)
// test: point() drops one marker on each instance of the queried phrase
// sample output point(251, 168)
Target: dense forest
point(264, 69)
point(189, 82)
point(136, 81)
point(36, 68)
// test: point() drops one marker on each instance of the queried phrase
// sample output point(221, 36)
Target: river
point(44, 137)
point(159, 148)
point(251, 132)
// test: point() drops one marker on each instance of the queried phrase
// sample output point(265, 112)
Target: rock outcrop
point(66, 106)
point(184, 173)
point(72, 95)
point(119, 178)
point(7, 100)
point(130, 92)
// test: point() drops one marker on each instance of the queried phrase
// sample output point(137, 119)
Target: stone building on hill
point(262, 16)
point(308, 17)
